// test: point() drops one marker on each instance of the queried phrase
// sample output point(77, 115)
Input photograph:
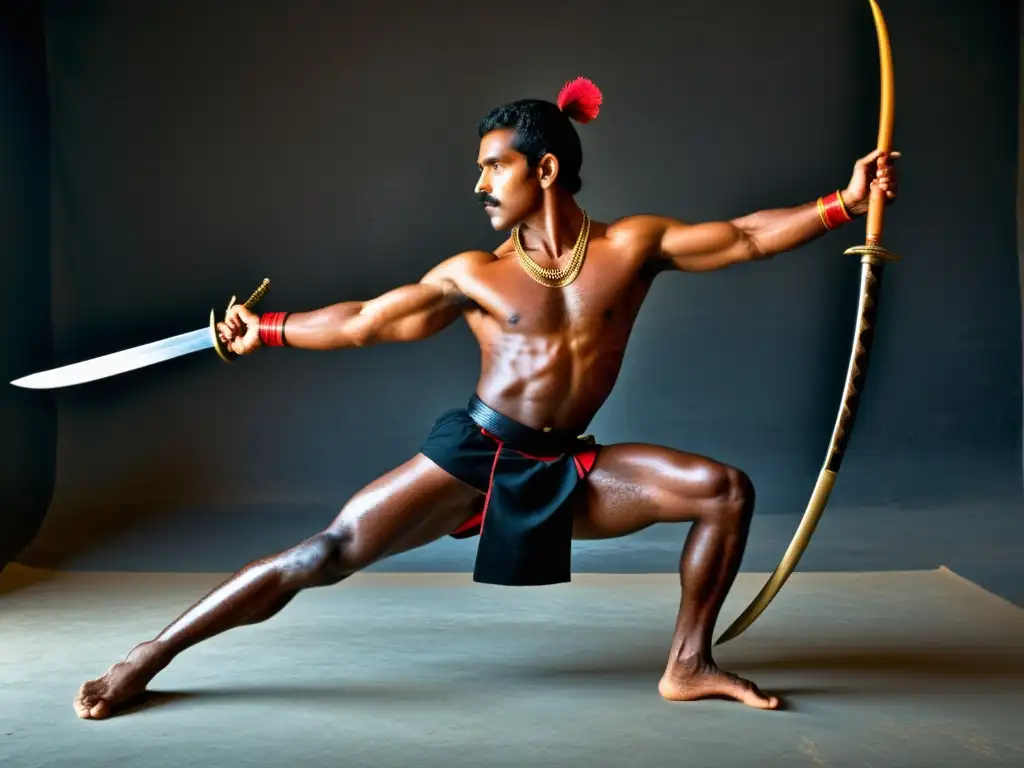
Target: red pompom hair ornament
point(580, 99)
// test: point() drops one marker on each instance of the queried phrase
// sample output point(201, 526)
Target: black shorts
point(529, 477)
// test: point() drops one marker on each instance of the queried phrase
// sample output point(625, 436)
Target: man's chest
point(604, 292)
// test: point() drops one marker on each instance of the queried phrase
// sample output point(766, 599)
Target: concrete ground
point(876, 669)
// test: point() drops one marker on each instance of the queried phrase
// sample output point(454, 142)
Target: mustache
point(486, 199)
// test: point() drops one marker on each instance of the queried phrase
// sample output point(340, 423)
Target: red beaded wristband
point(272, 329)
point(832, 211)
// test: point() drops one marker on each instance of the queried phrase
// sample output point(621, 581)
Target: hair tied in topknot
point(580, 99)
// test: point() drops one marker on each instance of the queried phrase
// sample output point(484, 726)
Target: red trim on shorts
point(584, 464)
point(585, 461)
point(475, 524)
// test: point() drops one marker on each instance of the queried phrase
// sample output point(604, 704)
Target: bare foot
point(126, 680)
point(695, 678)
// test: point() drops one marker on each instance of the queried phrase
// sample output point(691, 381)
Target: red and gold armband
point(832, 211)
point(272, 329)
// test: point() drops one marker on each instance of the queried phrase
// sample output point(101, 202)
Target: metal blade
point(120, 362)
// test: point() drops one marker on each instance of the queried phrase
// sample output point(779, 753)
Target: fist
point(240, 330)
point(873, 171)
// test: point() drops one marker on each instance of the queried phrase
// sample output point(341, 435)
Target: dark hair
point(541, 127)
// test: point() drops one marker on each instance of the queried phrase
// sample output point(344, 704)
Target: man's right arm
point(407, 313)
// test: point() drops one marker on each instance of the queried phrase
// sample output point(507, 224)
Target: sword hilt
point(221, 348)
point(871, 254)
point(258, 294)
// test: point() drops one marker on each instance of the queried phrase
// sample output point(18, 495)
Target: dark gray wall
point(28, 424)
point(330, 146)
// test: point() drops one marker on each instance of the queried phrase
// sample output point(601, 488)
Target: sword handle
point(258, 294)
point(223, 352)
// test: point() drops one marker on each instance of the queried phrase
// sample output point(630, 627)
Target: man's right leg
point(411, 506)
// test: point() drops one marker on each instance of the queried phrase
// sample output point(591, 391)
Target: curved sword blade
point(120, 362)
point(873, 258)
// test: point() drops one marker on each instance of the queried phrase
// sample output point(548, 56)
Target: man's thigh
point(635, 485)
point(411, 506)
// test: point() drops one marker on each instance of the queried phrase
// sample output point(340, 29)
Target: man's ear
point(547, 170)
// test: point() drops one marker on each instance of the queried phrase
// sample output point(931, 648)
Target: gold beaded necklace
point(555, 278)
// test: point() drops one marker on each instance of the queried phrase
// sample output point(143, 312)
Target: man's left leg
point(633, 486)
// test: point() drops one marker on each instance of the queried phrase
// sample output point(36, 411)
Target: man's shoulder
point(465, 260)
point(637, 225)
point(474, 258)
point(636, 234)
point(451, 272)
point(463, 264)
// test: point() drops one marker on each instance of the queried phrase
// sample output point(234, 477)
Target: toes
point(92, 708)
point(754, 698)
point(88, 700)
point(83, 707)
point(751, 695)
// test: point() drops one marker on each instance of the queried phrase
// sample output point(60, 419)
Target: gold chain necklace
point(555, 278)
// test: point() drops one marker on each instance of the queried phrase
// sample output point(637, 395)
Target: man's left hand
point(873, 170)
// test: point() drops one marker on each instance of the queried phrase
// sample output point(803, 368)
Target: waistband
point(520, 437)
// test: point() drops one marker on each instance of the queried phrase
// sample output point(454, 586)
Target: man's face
point(507, 188)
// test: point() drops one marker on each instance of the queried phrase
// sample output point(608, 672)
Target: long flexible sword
point(139, 357)
point(872, 258)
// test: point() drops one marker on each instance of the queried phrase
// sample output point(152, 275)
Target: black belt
point(520, 437)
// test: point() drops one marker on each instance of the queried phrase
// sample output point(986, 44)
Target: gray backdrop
point(200, 147)
point(28, 423)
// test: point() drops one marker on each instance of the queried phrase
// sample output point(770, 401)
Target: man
point(552, 309)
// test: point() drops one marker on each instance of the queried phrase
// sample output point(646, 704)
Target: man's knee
point(325, 558)
point(735, 490)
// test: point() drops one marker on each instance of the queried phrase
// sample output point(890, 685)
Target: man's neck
point(554, 228)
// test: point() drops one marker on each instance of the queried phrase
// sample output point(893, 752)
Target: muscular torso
point(551, 356)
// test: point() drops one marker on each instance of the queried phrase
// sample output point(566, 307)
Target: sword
point(139, 357)
point(872, 259)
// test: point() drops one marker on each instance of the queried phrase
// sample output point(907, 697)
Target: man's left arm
point(714, 245)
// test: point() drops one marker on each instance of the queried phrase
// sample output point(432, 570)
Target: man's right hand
point(240, 330)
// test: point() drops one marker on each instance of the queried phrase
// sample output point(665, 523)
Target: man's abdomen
point(550, 384)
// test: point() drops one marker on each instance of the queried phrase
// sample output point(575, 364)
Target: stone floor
point(875, 669)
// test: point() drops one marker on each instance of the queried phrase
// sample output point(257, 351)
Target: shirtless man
point(552, 309)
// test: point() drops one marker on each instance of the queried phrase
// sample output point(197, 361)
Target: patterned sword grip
point(258, 294)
